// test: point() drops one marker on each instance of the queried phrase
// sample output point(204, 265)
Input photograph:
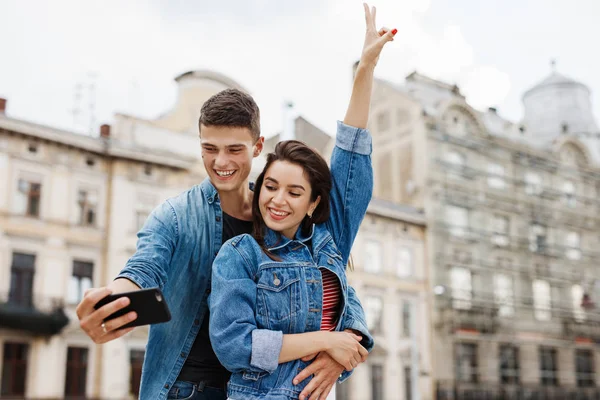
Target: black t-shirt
point(202, 363)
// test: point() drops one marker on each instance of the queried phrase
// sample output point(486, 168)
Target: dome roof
point(555, 79)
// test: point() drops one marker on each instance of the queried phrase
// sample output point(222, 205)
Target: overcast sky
point(281, 50)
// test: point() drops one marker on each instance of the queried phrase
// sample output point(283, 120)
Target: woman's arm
point(344, 347)
point(351, 169)
point(357, 114)
point(236, 339)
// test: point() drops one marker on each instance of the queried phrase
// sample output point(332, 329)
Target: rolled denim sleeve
point(236, 340)
point(355, 319)
point(156, 244)
point(352, 189)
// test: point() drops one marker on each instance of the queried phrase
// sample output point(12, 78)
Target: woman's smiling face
point(285, 198)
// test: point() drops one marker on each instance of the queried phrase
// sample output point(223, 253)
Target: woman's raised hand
point(374, 39)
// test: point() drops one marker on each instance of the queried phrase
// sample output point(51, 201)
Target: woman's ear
point(313, 206)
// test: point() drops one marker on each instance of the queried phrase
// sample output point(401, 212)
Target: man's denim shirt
point(179, 242)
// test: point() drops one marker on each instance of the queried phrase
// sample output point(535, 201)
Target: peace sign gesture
point(374, 39)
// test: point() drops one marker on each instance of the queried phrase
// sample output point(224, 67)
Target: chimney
point(3, 105)
point(105, 131)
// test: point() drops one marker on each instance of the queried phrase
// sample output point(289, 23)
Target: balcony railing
point(586, 326)
point(39, 315)
point(494, 391)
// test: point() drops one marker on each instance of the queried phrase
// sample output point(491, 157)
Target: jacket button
point(167, 386)
point(182, 354)
point(196, 322)
point(218, 218)
point(329, 261)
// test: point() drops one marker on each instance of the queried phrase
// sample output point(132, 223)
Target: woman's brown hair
point(318, 175)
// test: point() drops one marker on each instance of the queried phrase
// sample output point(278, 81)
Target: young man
point(175, 251)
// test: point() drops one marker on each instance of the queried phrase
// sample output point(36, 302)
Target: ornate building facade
point(512, 217)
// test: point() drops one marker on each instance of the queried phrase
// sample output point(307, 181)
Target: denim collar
point(275, 240)
point(210, 192)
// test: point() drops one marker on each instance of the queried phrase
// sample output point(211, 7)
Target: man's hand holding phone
point(92, 320)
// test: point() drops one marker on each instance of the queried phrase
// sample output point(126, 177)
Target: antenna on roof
point(553, 64)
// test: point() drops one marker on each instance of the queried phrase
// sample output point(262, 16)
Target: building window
point(456, 162)
point(568, 189)
point(456, 159)
point(373, 256)
point(87, 201)
point(509, 364)
point(533, 183)
point(573, 243)
point(144, 206)
point(541, 300)
point(14, 369)
point(77, 365)
point(376, 382)
point(462, 289)
point(458, 220)
point(537, 238)
point(500, 226)
point(548, 367)
point(21, 279)
point(136, 360)
point(81, 280)
point(496, 176)
point(406, 318)
point(466, 362)
point(383, 121)
point(503, 293)
point(28, 198)
point(576, 299)
point(374, 310)
point(404, 262)
point(584, 368)
point(408, 383)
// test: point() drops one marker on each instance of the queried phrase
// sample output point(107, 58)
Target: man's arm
point(145, 269)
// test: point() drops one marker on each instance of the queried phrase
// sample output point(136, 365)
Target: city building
point(512, 232)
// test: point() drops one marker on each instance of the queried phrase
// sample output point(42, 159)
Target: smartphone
point(149, 304)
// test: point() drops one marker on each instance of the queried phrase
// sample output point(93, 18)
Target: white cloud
point(279, 53)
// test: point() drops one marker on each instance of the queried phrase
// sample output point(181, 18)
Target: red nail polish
point(394, 31)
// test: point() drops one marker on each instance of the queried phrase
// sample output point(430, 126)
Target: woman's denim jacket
point(255, 301)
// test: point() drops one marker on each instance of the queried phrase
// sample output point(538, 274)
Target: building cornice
point(102, 146)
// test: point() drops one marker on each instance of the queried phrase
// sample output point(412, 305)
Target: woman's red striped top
point(331, 300)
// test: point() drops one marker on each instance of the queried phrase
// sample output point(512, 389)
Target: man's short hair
point(231, 107)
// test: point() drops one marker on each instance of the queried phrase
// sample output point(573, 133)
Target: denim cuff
point(355, 140)
point(356, 325)
point(266, 346)
point(142, 283)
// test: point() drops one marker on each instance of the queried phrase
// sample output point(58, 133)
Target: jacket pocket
point(278, 296)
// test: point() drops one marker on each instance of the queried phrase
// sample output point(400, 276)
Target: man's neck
point(238, 203)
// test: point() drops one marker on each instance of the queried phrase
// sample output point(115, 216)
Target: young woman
point(281, 296)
